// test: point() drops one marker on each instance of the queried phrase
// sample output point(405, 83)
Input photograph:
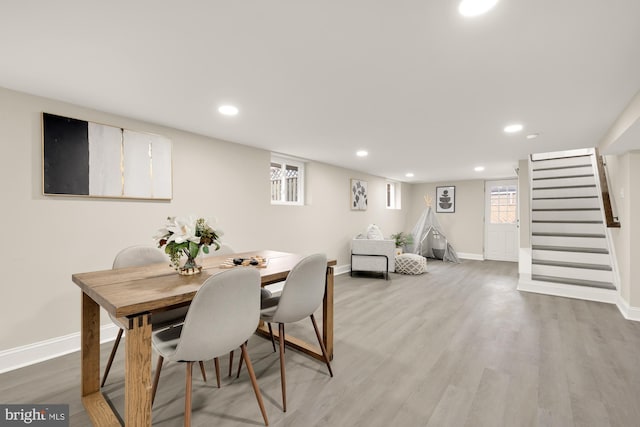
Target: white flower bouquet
point(185, 236)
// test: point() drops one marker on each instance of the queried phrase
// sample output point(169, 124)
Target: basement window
point(287, 181)
point(392, 195)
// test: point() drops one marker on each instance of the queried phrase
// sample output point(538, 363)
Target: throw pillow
point(374, 233)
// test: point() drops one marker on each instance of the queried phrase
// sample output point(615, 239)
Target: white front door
point(501, 220)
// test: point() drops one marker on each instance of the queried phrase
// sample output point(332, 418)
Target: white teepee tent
point(428, 239)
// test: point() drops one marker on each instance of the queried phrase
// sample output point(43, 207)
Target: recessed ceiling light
point(362, 153)
point(475, 7)
point(228, 110)
point(533, 135)
point(478, 168)
point(409, 175)
point(513, 128)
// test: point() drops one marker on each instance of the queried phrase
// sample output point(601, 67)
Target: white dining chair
point(224, 249)
point(138, 256)
point(223, 315)
point(301, 296)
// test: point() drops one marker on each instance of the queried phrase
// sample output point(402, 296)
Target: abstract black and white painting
point(359, 197)
point(446, 199)
point(91, 159)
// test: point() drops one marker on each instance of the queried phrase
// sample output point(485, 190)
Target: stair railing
point(612, 221)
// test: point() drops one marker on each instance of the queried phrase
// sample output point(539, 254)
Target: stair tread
point(560, 187)
point(579, 282)
point(564, 177)
point(559, 157)
point(569, 249)
point(565, 221)
point(551, 234)
point(564, 197)
point(563, 209)
point(568, 264)
point(559, 167)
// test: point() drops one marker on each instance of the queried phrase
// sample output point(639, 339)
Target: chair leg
point(240, 362)
point(230, 362)
point(254, 382)
point(322, 347)
point(111, 356)
point(156, 378)
point(273, 341)
point(239, 368)
point(283, 381)
point(216, 363)
point(187, 396)
point(204, 374)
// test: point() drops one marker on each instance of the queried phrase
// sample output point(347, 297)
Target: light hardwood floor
point(458, 346)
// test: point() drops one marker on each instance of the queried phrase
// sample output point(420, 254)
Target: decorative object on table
point(84, 158)
point(411, 264)
point(359, 197)
point(186, 236)
point(402, 240)
point(446, 199)
point(429, 239)
point(253, 261)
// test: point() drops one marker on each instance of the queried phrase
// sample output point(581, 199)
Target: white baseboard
point(341, 269)
point(629, 313)
point(465, 255)
point(609, 296)
point(30, 354)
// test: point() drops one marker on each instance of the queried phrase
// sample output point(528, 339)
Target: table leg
point(327, 314)
point(98, 409)
point(137, 409)
point(90, 346)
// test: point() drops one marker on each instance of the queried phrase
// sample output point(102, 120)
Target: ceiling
point(418, 86)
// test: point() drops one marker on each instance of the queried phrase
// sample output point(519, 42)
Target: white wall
point(524, 217)
point(629, 116)
point(46, 239)
point(624, 188)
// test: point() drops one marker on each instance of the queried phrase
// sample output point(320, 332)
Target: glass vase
point(190, 267)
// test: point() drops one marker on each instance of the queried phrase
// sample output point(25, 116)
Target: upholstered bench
point(411, 264)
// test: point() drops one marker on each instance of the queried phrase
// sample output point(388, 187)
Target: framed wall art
point(82, 158)
point(446, 199)
point(359, 196)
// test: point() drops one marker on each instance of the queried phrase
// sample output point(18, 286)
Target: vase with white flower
point(186, 236)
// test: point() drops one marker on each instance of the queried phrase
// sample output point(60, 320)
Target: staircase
point(570, 249)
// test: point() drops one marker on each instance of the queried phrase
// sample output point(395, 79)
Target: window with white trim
point(287, 181)
point(392, 195)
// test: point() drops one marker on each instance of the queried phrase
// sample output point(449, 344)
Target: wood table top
point(129, 291)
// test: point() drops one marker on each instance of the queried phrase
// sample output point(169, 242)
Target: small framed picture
point(446, 199)
point(359, 196)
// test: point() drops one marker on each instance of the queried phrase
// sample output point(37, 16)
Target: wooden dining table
point(133, 294)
